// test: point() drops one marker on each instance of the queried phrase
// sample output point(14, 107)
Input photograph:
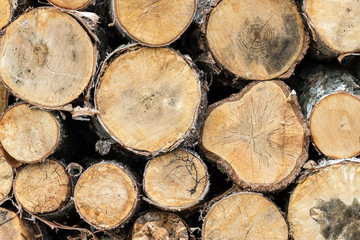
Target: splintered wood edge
point(197, 117)
point(6, 178)
point(12, 227)
point(93, 40)
point(225, 167)
point(204, 191)
point(6, 9)
point(237, 194)
point(11, 153)
point(123, 29)
point(65, 187)
point(71, 4)
point(129, 215)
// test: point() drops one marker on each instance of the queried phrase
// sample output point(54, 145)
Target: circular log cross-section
point(176, 180)
point(326, 204)
point(159, 225)
point(28, 135)
point(334, 26)
point(5, 13)
point(256, 39)
point(48, 59)
point(12, 227)
point(154, 22)
point(148, 99)
point(6, 178)
point(258, 136)
point(42, 187)
point(244, 216)
point(105, 196)
point(71, 4)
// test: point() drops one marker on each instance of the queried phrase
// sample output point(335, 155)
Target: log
point(30, 135)
point(258, 136)
point(106, 196)
point(48, 59)
point(244, 216)
point(4, 97)
point(159, 225)
point(255, 39)
point(149, 99)
point(153, 23)
point(325, 204)
point(333, 26)
point(176, 181)
point(6, 178)
point(6, 11)
point(331, 103)
point(42, 187)
point(72, 4)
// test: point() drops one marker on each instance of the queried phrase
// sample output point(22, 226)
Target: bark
point(4, 96)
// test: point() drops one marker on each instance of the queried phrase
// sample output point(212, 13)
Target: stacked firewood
point(157, 119)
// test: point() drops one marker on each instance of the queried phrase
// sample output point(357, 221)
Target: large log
point(149, 99)
point(331, 103)
point(48, 59)
point(255, 39)
point(259, 136)
point(153, 23)
point(325, 204)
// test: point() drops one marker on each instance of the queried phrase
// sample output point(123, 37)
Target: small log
point(106, 196)
point(153, 23)
point(48, 59)
point(325, 204)
point(331, 103)
point(4, 97)
point(6, 178)
point(244, 216)
point(255, 39)
point(258, 137)
point(149, 99)
point(6, 11)
point(333, 26)
point(30, 135)
point(176, 181)
point(159, 226)
point(72, 4)
point(42, 187)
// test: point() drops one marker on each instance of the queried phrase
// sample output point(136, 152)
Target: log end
point(5, 13)
point(6, 178)
point(71, 4)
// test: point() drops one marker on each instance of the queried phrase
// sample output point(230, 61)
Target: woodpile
point(179, 120)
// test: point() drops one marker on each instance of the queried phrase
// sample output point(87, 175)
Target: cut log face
point(339, 137)
point(5, 13)
point(105, 195)
point(176, 180)
point(28, 135)
point(48, 59)
point(148, 99)
point(259, 136)
point(334, 24)
point(326, 204)
point(12, 227)
point(159, 225)
point(244, 216)
point(6, 178)
point(42, 187)
point(155, 22)
point(4, 96)
point(255, 39)
point(70, 4)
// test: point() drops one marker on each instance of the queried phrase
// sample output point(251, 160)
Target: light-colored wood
point(28, 134)
point(247, 216)
point(176, 180)
point(148, 99)
point(12, 227)
point(154, 22)
point(159, 225)
point(71, 4)
point(258, 136)
point(334, 24)
point(255, 39)
point(5, 13)
point(6, 178)
point(105, 195)
point(325, 205)
point(48, 59)
point(4, 96)
point(42, 187)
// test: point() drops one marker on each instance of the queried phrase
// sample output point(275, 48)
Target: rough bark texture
point(258, 136)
